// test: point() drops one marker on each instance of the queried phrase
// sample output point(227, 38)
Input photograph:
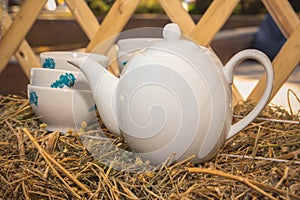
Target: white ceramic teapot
point(174, 97)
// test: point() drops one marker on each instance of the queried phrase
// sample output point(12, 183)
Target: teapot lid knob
point(172, 32)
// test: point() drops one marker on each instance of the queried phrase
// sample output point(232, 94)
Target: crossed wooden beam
point(13, 42)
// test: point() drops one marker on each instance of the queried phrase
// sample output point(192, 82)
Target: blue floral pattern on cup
point(33, 98)
point(125, 62)
point(93, 108)
point(67, 79)
point(49, 63)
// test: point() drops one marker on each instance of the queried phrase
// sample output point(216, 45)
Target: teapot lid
point(174, 43)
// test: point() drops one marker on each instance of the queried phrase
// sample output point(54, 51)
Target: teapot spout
point(103, 84)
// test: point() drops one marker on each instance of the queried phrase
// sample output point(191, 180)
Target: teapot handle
point(229, 72)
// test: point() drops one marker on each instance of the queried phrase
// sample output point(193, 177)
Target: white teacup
point(62, 110)
point(56, 78)
point(58, 59)
point(128, 47)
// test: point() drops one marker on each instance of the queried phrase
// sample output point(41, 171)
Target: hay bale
point(262, 161)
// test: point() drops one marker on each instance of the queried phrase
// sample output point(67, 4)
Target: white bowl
point(58, 59)
point(62, 110)
point(128, 47)
point(56, 78)
point(123, 58)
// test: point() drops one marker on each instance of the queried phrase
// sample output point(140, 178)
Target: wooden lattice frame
point(203, 32)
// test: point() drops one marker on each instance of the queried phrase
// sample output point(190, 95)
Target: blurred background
point(245, 7)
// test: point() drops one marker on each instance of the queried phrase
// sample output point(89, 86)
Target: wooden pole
point(283, 14)
point(174, 9)
point(84, 16)
point(213, 20)
point(18, 30)
point(112, 25)
point(284, 64)
point(25, 55)
point(289, 55)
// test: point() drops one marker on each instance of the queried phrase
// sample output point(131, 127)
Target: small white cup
point(128, 47)
point(58, 59)
point(62, 110)
point(56, 78)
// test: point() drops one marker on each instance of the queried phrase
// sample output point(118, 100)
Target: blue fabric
point(269, 38)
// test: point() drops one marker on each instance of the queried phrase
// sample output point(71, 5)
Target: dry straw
point(261, 162)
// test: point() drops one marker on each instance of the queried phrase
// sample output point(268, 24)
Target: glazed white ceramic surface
point(62, 110)
point(133, 44)
point(56, 78)
point(126, 48)
point(123, 58)
point(173, 98)
point(58, 59)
